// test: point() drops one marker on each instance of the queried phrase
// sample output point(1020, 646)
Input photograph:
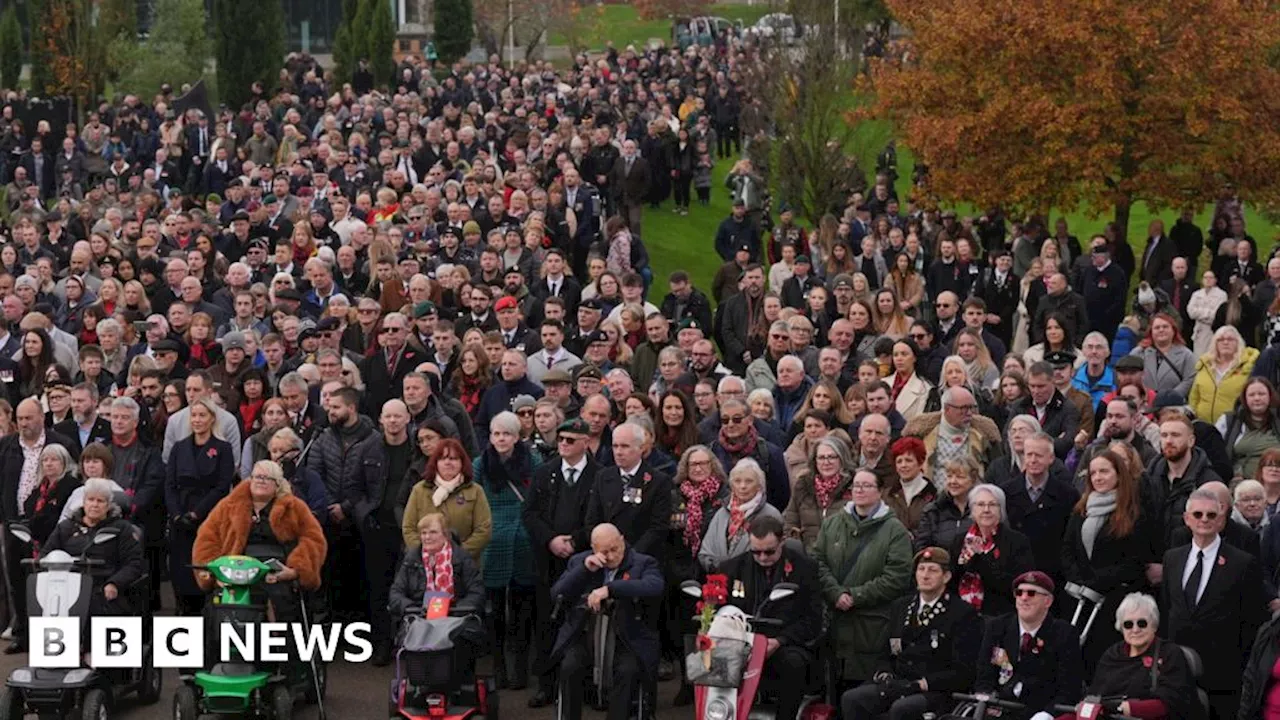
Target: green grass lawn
point(623, 25)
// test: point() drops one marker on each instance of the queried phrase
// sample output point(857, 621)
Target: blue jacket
point(637, 582)
point(1098, 390)
point(787, 404)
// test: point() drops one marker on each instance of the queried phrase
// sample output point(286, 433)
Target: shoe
point(7, 634)
point(15, 647)
point(684, 696)
point(541, 699)
point(382, 656)
point(665, 672)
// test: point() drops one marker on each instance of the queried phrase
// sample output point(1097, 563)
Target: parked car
point(776, 26)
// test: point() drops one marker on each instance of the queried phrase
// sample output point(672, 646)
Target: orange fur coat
point(226, 532)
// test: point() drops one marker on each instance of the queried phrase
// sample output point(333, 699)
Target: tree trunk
point(1123, 206)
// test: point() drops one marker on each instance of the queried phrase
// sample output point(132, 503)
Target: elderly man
point(631, 495)
point(384, 371)
point(791, 390)
point(1058, 417)
point(732, 387)
point(19, 477)
point(955, 432)
point(872, 451)
point(762, 372)
point(498, 398)
point(738, 439)
point(1213, 599)
point(610, 570)
point(1234, 532)
point(1039, 503)
point(1095, 376)
point(137, 468)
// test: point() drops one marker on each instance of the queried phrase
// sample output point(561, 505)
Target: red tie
point(1177, 294)
point(1026, 643)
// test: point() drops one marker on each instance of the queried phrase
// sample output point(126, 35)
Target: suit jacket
point(643, 524)
point(1045, 521)
point(100, 432)
point(540, 509)
point(637, 583)
point(1051, 674)
point(381, 384)
point(630, 188)
point(1222, 625)
point(1157, 263)
point(1061, 420)
point(570, 292)
point(941, 650)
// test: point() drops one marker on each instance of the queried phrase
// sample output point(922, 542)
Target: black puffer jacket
point(353, 465)
point(1164, 504)
point(122, 557)
point(411, 582)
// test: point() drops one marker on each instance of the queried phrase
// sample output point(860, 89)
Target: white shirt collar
point(582, 464)
point(633, 471)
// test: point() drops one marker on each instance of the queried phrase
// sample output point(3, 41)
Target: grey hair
point(998, 494)
point(1096, 336)
point(507, 421)
point(780, 326)
point(109, 326)
point(56, 450)
point(1025, 419)
point(643, 422)
point(1248, 486)
point(762, 394)
point(1039, 437)
point(672, 352)
point(285, 277)
point(1141, 604)
point(750, 468)
point(99, 487)
point(841, 449)
point(287, 434)
point(127, 403)
point(1202, 493)
point(294, 380)
point(637, 430)
point(792, 360)
point(730, 378)
point(273, 470)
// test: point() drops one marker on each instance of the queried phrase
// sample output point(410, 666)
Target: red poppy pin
point(1147, 662)
point(1221, 561)
point(1039, 646)
point(704, 643)
point(786, 568)
point(647, 477)
point(213, 452)
point(626, 576)
point(996, 553)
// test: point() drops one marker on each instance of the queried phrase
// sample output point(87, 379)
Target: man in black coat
point(1028, 657)
point(30, 440)
point(553, 512)
point(1233, 532)
point(1000, 290)
point(1158, 256)
point(1039, 503)
point(1213, 601)
point(751, 578)
point(933, 640)
point(84, 426)
point(629, 179)
point(1105, 289)
point(384, 371)
point(1058, 418)
point(631, 496)
point(685, 301)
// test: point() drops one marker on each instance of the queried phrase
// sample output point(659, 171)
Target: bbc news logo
point(179, 642)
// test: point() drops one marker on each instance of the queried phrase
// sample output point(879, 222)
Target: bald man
point(609, 571)
point(1233, 532)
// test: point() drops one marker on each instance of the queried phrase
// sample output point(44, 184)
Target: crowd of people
point(411, 341)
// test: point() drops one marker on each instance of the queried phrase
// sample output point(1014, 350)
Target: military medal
point(933, 639)
point(738, 590)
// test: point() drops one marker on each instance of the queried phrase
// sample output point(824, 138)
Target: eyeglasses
point(865, 486)
point(942, 305)
point(1141, 624)
point(963, 408)
point(386, 330)
point(988, 505)
point(827, 458)
point(765, 552)
point(262, 478)
point(1204, 514)
point(524, 413)
point(1024, 592)
point(734, 420)
point(368, 311)
point(919, 336)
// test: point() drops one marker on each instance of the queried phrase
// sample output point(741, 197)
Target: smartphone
point(274, 564)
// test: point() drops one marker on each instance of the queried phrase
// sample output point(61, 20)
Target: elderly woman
point(1251, 505)
point(448, 487)
point(949, 516)
point(284, 448)
point(200, 472)
point(726, 534)
point(1107, 545)
point(1142, 676)
point(262, 518)
point(913, 492)
point(989, 555)
point(438, 565)
point(701, 490)
point(504, 471)
point(43, 507)
point(822, 493)
point(122, 556)
point(1009, 465)
point(864, 564)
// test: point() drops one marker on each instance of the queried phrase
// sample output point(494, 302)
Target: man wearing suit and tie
point(85, 426)
point(1157, 259)
point(557, 284)
point(632, 495)
point(1029, 657)
point(553, 514)
point(1213, 601)
point(630, 183)
point(384, 371)
point(583, 200)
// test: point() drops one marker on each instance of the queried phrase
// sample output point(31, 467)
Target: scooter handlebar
point(989, 701)
point(75, 562)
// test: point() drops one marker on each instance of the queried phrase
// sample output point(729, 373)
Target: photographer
point(933, 640)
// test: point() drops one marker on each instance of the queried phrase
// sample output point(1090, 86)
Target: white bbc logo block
point(54, 642)
point(116, 642)
point(179, 642)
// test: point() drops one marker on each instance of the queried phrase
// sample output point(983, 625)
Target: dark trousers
point(704, 195)
point(544, 636)
point(381, 550)
point(786, 674)
point(728, 140)
point(575, 669)
point(1223, 705)
point(868, 701)
point(512, 611)
point(342, 577)
point(15, 551)
point(682, 182)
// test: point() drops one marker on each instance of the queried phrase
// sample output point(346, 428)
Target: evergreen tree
point(41, 57)
point(175, 52)
point(455, 28)
point(344, 45)
point(382, 42)
point(360, 28)
point(250, 46)
point(10, 48)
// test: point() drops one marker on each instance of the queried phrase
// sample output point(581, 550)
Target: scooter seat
point(233, 669)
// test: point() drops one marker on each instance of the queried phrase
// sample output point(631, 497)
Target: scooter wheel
point(11, 704)
point(185, 704)
point(150, 684)
point(491, 706)
point(281, 703)
point(95, 705)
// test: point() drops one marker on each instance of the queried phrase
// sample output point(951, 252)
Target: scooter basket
point(721, 666)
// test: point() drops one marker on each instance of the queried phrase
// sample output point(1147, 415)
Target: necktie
point(1191, 590)
point(1177, 294)
point(629, 161)
point(1034, 492)
point(507, 337)
point(555, 289)
point(392, 360)
point(571, 476)
point(1026, 643)
point(627, 478)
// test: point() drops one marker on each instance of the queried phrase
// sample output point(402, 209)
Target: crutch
point(1082, 595)
point(317, 664)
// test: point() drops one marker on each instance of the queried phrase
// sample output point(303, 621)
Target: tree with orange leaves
point(1035, 104)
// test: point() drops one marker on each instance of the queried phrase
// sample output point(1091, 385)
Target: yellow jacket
point(467, 509)
point(1210, 398)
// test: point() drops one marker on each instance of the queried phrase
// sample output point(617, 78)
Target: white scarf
point(445, 488)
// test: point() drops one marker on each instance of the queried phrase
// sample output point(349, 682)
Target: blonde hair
point(273, 470)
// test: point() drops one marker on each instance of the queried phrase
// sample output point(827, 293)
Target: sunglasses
point(765, 552)
point(1204, 514)
point(735, 419)
point(1020, 592)
point(1140, 623)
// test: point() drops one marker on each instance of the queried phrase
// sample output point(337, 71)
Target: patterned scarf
point(439, 566)
point(696, 494)
point(740, 512)
point(743, 447)
point(824, 488)
point(46, 487)
point(971, 590)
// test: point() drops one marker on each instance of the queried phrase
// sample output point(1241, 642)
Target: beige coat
point(914, 395)
point(984, 438)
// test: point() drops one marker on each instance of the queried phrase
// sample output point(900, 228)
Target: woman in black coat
point(986, 558)
point(1107, 545)
point(201, 471)
point(44, 505)
point(122, 556)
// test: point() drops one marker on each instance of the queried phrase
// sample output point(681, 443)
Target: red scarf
point(249, 411)
point(46, 487)
point(824, 488)
point(439, 568)
point(744, 447)
point(971, 589)
point(737, 517)
point(696, 494)
point(899, 381)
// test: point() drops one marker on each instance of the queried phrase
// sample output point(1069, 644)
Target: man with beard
point(423, 401)
point(739, 314)
point(1120, 424)
point(704, 365)
point(84, 426)
point(1171, 478)
point(136, 466)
